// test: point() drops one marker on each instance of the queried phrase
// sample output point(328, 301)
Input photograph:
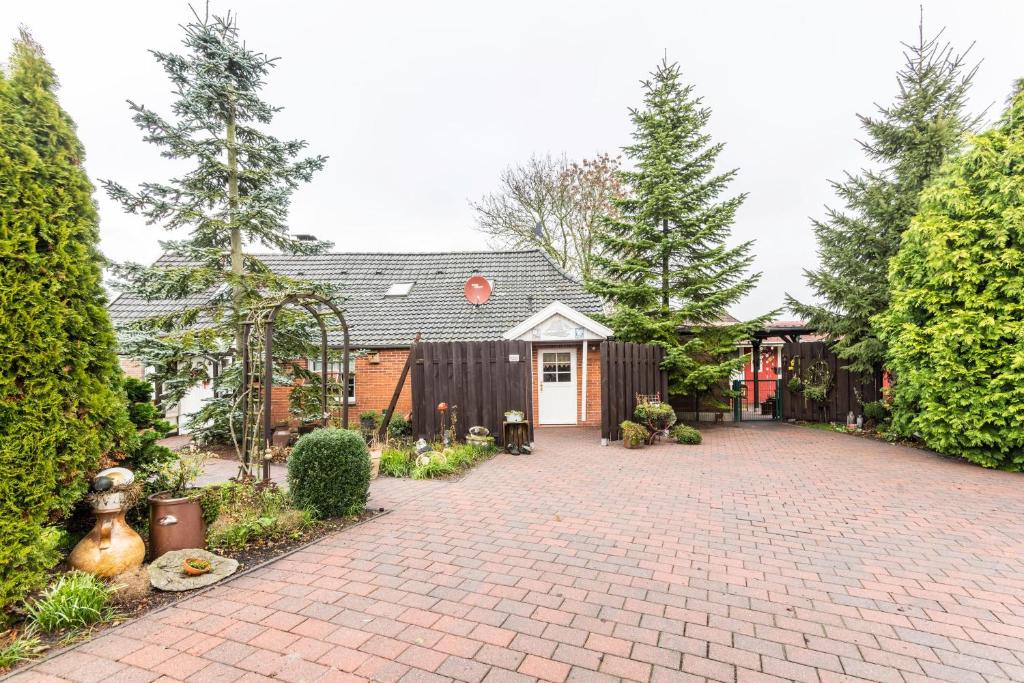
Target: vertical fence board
point(628, 369)
point(475, 376)
point(849, 391)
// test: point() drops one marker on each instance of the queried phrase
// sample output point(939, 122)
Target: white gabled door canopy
point(558, 322)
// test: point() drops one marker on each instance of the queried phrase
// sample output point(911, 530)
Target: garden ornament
point(112, 547)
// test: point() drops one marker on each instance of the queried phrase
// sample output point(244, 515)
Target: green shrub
point(247, 513)
point(399, 427)
point(438, 466)
point(162, 428)
point(656, 416)
point(61, 405)
point(875, 411)
point(685, 434)
point(329, 472)
point(396, 462)
point(954, 324)
point(138, 391)
point(464, 456)
point(143, 414)
point(76, 599)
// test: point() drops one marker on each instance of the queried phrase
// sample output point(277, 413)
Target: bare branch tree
point(552, 204)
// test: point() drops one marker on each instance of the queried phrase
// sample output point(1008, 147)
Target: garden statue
point(112, 546)
point(479, 436)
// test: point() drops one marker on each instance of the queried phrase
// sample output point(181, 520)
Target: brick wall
point(593, 397)
point(131, 367)
point(376, 374)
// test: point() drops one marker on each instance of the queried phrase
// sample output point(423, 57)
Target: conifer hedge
point(60, 401)
point(955, 326)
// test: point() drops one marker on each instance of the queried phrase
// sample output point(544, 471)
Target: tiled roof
point(524, 282)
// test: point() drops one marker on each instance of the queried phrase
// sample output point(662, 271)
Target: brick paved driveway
point(771, 552)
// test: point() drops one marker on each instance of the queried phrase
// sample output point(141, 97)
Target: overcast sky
point(419, 105)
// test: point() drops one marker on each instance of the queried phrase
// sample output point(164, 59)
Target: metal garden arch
point(258, 373)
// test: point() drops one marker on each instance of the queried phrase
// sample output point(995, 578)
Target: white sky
point(421, 104)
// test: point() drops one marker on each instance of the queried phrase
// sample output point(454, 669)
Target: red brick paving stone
point(544, 669)
point(422, 658)
point(296, 670)
point(181, 665)
point(773, 548)
point(420, 676)
point(626, 668)
point(215, 672)
point(462, 669)
point(505, 676)
point(80, 666)
point(499, 657)
point(148, 656)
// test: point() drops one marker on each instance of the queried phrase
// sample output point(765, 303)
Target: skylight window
point(399, 289)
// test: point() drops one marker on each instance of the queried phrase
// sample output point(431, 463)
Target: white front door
point(556, 386)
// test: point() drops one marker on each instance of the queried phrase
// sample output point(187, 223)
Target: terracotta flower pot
point(188, 566)
point(174, 524)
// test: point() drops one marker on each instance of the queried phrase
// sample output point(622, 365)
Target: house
point(389, 298)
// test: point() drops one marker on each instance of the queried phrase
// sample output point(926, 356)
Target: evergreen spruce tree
point(907, 142)
point(61, 405)
point(955, 325)
point(236, 194)
point(664, 264)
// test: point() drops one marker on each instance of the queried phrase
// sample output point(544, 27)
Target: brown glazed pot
point(174, 524)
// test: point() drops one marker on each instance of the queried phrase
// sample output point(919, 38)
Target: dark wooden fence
point(627, 370)
point(849, 391)
point(483, 379)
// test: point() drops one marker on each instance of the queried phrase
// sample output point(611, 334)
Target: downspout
point(583, 409)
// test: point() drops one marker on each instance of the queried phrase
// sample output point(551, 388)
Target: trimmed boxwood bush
point(685, 434)
point(329, 472)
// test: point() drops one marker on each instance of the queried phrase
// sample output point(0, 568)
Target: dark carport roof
point(524, 282)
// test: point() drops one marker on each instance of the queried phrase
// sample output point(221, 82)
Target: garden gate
point(480, 380)
point(757, 399)
point(628, 370)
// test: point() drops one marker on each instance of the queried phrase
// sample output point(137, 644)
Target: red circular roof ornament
point(477, 290)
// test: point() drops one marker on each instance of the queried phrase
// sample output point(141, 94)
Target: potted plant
point(196, 566)
point(657, 417)
point(368, 419)
point(514, 416)
point(176, 512)
point(633, 435)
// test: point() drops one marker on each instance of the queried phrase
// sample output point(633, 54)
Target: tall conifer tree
point(665, 265)
point(60, 401)
point(906, 143)
point(235, 194)
point(955, 326)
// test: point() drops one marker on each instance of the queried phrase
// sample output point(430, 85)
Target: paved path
point(769, 553)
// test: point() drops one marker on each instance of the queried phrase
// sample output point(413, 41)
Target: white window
point(399, 289)
point(334, 372)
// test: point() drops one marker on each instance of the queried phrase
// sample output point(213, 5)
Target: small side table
point(516, 434)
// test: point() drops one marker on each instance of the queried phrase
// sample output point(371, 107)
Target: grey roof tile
point(524, 282)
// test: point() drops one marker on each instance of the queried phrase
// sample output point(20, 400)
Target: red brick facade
point(376, 374)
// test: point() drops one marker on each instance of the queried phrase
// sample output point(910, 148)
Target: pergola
point(786, 332)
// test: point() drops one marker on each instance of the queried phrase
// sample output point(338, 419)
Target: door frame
point(573, 359)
